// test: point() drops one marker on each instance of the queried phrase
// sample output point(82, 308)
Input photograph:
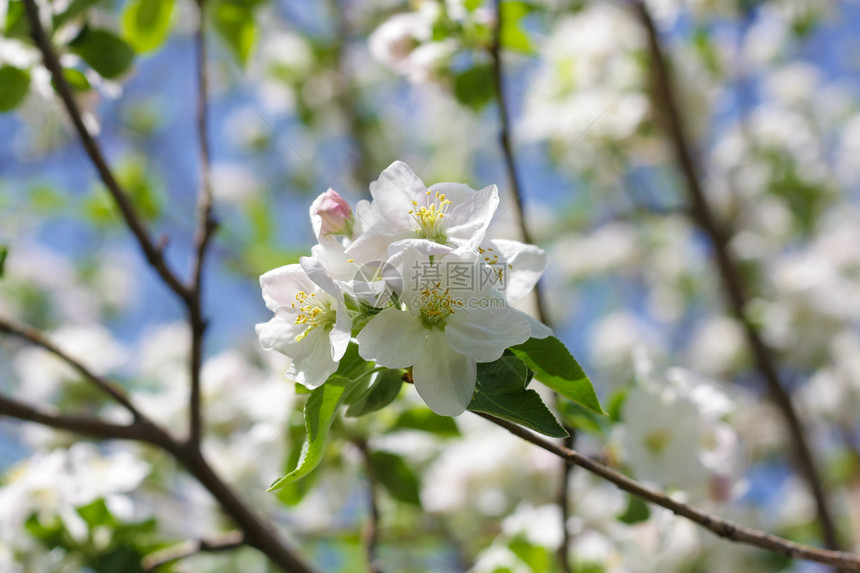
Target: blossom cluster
point(413, 279)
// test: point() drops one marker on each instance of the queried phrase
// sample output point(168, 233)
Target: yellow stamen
point(437, 305)
point(312, 313)
point(429, 218)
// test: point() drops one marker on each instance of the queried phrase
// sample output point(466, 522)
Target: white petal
point(409, 266)
point(317, 273)
point(366, 215)
point(457, 193)
point(340, 334)
point(313, 364)
point(372, 245)
point(538, 329)
point(281, 285)
point(484, 333)
point(444, 378)
point(527, 263)
point(424, 246)
point(394, 192)
point(330, 253)
point(468, 222)
point(279, 334)
point(393, 338)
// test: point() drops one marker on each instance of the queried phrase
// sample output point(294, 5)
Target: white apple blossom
point(57, 482)
point(541, 526)
point(673, 431)
point(497, 557)
point(394, 40)
point(449, 215)
point(311, 323)
point(450, 323)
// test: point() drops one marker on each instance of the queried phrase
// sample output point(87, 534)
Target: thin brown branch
point(540, 306)
point(563, 501)
point(371, 533)
point(258, 533)
point(718, 526)
point(732, 283)
point(226, 542)
point(206, 226)
point(35, 337)
point(495, 50)
point(83, 425)
point(151, 252)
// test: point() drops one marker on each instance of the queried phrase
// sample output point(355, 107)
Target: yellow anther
point(312, 313)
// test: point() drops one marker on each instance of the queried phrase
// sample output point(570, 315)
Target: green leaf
point(50, 532)
point(294, 492)
point(582, 419)
point(320, 410)
point(14, 84)
point(235, 25)
point(616, 402)
point(538, 558)
point(145, 23)
point(75, 9)
point(501, 392)
point(512, 36)
point(76, 80)
point(427, 421)
point(380, 394)
point(17, 25)
point(556, 368)
point(474, 87)
point(4, 252)
point(138, 179)
point(396, 476)
point(636, 512)
point(104, 51)
point(97, 514)
point(121, 559)
point(352, 365)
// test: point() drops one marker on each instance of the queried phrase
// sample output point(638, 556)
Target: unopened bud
point(331, 215)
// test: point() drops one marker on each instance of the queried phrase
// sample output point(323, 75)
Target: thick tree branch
point(718, 526)
point(151, 252)
point(189, 294)
point(35, 337)
point(226, 542)
point(732, 283)
point(85, 426)
point(257, 533)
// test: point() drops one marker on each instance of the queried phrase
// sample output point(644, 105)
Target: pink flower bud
point(331, 215)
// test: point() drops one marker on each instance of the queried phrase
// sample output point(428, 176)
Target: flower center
point(429, 218)
point(656, 441)
point(437, 305)
point(312, 312)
